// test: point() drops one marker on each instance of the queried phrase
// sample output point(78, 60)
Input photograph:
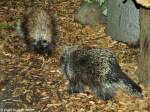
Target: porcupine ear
point(83, 61)
point(21, 23)
point(29, 3)
point(19, 29)
point(63, 54)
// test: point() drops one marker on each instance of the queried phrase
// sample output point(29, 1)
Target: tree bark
point(144, 59)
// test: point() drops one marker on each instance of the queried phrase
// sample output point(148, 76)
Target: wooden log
point(144, 59)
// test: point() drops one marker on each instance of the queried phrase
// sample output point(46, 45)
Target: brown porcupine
point(37, 28)
point(96, 68)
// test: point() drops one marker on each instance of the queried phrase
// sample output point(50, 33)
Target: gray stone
point(123, 21)
point(90, 14)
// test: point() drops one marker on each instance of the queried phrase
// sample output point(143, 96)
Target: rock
point(123, 21)
point(90, 14)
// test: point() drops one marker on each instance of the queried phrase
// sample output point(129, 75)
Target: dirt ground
point(34, 82)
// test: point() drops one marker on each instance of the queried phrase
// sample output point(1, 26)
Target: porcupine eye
point(44, 43)
point(62, 59)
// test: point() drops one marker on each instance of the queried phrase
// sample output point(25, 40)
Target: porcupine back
point(97, 68)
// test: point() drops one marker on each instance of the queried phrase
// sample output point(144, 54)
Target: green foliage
point(6, 26)
point(101, 2)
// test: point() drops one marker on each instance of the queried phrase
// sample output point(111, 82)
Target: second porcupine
point(97, 68)
point(37, 28)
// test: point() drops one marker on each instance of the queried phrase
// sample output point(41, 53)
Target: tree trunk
point(144, 59)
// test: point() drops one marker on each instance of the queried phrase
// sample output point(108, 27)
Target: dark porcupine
point(96, 68)
point(37, 28)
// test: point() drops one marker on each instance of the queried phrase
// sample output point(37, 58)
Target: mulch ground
point(32, 81)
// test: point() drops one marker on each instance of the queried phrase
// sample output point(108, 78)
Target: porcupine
point(37, 28)
point(96, 68)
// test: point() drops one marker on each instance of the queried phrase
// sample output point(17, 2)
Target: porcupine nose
point(41, 46)
point(45, 46)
